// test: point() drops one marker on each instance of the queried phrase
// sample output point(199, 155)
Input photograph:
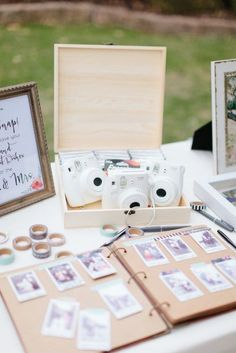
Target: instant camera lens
point(92, 181)
point(97, 181)
point(164, 191)
point(161, 192)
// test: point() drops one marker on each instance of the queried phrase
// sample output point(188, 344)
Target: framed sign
point(223, 84)
point(25, 173)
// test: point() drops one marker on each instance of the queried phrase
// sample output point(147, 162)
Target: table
point(215, 334)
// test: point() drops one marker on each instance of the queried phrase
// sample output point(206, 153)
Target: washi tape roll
point(64, 253)
point(41, 250)
point(22, 243)
point(108, 230)
point(38, 231)
point(56, 239)
point(3, 237)
point(6, 256)
point(133, 232)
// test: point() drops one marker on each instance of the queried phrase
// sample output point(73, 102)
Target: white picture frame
point(223, 94)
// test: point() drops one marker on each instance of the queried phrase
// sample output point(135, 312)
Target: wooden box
point(110, 97)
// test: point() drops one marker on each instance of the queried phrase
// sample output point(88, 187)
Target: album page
point(186, 274)
point(79, 303)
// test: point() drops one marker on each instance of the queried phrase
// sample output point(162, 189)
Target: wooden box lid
point(108, 97)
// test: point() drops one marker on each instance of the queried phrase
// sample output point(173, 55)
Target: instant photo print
point(69, 316)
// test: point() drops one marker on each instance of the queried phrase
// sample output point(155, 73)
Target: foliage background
point(185, 7)
point(27, 55)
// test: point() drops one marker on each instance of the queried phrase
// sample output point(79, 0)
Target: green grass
point(27, 55)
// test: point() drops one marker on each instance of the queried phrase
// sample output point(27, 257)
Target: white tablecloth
point(215, 334)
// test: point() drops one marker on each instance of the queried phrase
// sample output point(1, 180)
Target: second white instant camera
point(159, 184)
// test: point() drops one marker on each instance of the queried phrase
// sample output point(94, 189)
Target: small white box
point(211, 192)
point(107, 98)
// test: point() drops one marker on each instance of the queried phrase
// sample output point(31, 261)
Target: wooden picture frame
point(25, 172)
point(223, 87)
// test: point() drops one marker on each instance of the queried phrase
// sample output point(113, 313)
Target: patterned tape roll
point(56, 239)
point(38, 231)
point(41, 250)
point(108, 230)
point(6, 256)
point(22, 243)
point(64, 253)
point(133, 232)
point(3, 237)
point(198, 205)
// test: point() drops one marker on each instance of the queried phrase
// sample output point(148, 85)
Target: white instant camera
point(83, 180)
point(166, 183)
point(126, 188)
point(159, 184)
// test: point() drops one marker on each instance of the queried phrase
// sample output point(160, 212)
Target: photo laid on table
point(227, 265)
point(180, 285)
point(95, 264)
point(177, 248)
point(149, 252)
point(94, 331)
point(210, 277)
point(26, 286)
point(207, 241)
point(64, 275)
point(61, 318)
point(118, 298)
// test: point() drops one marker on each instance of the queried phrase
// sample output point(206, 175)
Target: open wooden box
point(110, 97)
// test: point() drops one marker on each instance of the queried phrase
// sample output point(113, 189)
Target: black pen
point(150, 229)
point(163, 228)
point(223, 235)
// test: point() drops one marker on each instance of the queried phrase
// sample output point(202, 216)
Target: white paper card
point(207, 241)
point(179, 284)
point(177, 248)
point(61, 318)
point(210, 277)
point(150, 253)
point(94, 331)
point(26, 286)
point(96, 264)
point(20, 169)
point(227, 266)
point(119, 299)
point(64, 275)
